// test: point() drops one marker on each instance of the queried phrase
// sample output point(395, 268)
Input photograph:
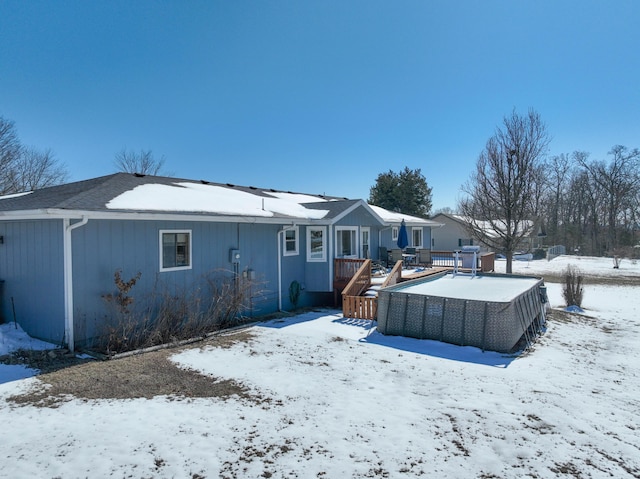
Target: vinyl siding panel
point(447, 237)
point(359, 217)
point(102, 247)
point(31, 265)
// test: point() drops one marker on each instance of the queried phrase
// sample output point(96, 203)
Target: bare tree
point(557, 178)
point(619, 182)
point(10, 149)
point(24, 168)
point(36, 169)
point(501, 201)
point(141, 162)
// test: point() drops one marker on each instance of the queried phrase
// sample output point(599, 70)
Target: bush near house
point(217, 301)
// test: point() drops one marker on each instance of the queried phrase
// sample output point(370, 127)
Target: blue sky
point(315, 96)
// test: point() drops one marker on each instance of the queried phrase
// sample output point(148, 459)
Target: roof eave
point(357, 204)
point(55, 213)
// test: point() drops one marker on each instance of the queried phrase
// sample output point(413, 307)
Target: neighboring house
point(419, 230)
point(454, 234)
point(60, 246)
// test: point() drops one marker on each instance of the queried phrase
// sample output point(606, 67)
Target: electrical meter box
point(234, 255)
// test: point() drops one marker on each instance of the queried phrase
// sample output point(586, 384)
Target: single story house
point(454, 234)
point(61, 246)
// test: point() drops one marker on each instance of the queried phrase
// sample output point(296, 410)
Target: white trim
point(394, 233)
point(52, 213)
point(325, 244)
point(296, 250)
point(353, 207)
point(356, 245)
point(162, 269)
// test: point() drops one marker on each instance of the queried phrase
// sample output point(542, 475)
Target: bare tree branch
point(502, 193)
point(10, 149)
point(37, 169)
point(141, 162)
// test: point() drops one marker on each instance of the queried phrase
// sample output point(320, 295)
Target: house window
point(416, 236)
point(316, 243)
point(346, 239)
point(175, 250)
point(465, 242)
point(290, 239)
point(394, 233)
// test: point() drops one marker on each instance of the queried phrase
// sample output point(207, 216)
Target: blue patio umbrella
point(403, 238)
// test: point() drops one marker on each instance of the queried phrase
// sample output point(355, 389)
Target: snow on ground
point(339, 400)
point(594, 266)
point(12, 338)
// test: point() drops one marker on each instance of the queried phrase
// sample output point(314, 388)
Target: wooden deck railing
point(394, 277)
point(486, 261)
point(356, 306)
point(352, 277)
point(344, 269)
point(443, 258)
point(353, 304)
point(360, 307)
point(360, 282)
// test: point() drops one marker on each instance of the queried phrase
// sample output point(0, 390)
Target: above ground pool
point(487, 311)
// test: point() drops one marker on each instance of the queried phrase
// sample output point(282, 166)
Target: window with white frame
point(290, 239)
point(346, 241)
point(175, 250)
point(316, 243)
point(394, 233)
point(416, 236)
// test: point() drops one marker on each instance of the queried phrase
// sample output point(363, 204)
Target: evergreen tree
point(405, 192)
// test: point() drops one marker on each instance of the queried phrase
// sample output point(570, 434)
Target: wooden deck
point(425, 273)
point(359, 297)
point(352, 281)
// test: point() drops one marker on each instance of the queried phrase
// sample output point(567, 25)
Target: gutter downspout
point(68, 278)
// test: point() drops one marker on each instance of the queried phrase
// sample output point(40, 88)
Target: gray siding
point(103, 246)
point(358, 217)
point(31, 265)
point(387, 241)
point(448, 237)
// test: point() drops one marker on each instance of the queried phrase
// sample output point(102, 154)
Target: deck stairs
point(360, 295)
point(359, 289)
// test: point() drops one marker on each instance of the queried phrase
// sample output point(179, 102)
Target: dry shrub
point(572, 290)
point(216, 301)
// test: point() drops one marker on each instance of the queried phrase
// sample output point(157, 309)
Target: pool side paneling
point(496, 326)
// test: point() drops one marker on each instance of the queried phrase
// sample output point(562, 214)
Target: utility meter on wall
point(234, 255)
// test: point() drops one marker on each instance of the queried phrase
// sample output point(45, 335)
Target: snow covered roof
point(394, 218)
point(489, 228)
point(124, 194)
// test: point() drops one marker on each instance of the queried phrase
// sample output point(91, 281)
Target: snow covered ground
point(340, 400)
point(588, 264)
